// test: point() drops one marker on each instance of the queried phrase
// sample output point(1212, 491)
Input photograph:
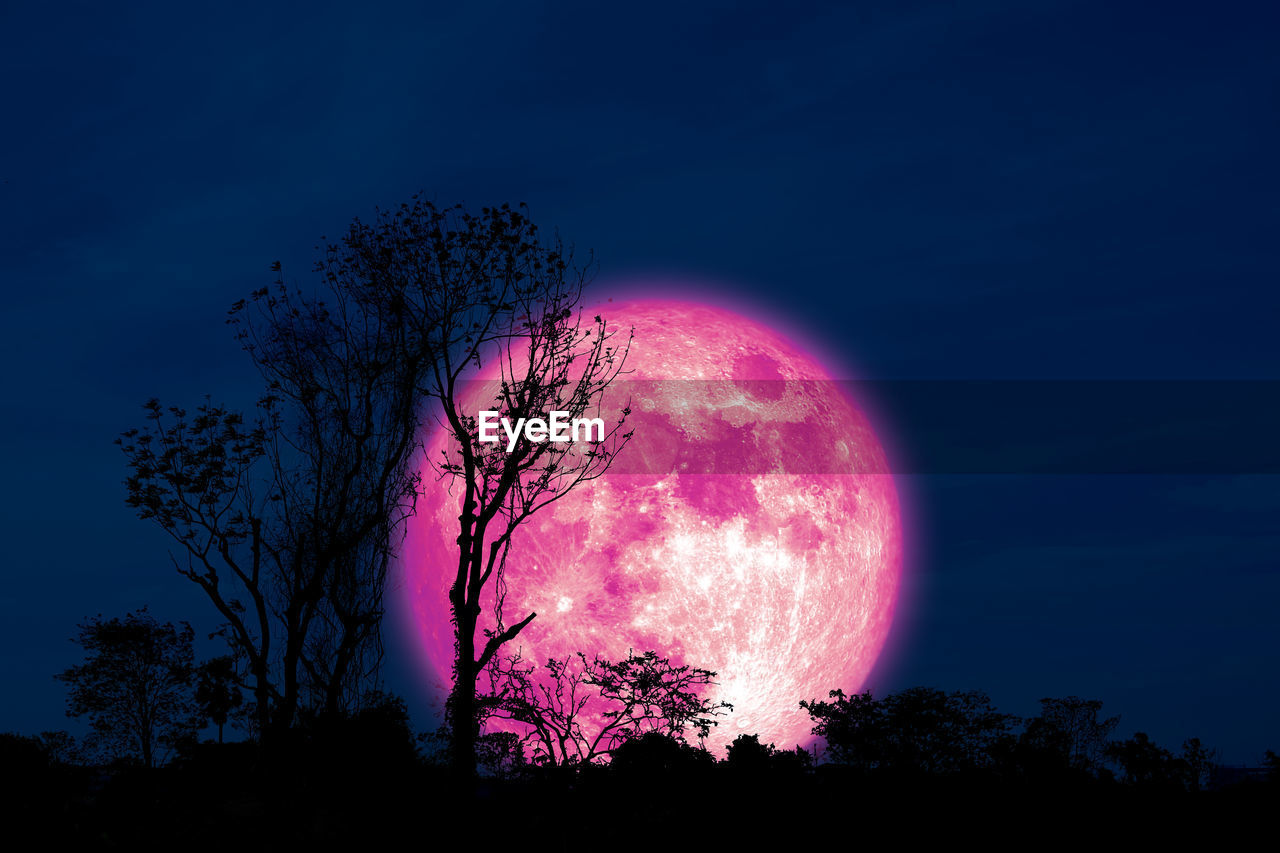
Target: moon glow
point(751, 527)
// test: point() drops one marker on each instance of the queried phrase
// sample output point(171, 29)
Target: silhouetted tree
point(1143, 762)
point(852, 726)
point(342, 424)
point(377, 737)
point(286, 522)
point(61, 746)
point(748, 753)
point(937, 732)
point(918, 730)
point(199, 478)
point(501, 754)
point(218, 690)
point(471, 292)
point(657, 754)
point(1199, 761)
point(135, 686)
point(1271, 761)
point(583, 709)
point(1071, 729)
point(795, 760)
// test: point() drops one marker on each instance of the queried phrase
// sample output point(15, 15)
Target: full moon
point(750, 527)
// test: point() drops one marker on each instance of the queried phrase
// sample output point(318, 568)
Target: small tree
point(1271, 761)
point(748, 754)
point(580, 710)
point(1071, 729)
point(1200, 762)
point(852, 725)
point(650, 757)
point(1143, 762)
point(135, 687)
point(218, 691)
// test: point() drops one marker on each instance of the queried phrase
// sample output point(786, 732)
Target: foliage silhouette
point(499, 755)
point(1271, 761)
point(62, 748)
point(1199, 762)
point(135, 687)
point(1144, 763)
point(375, 738)
point(579, 710)
point(657, 754)
point(791, 761)
point(468, 292)
point(340, 769)
point(748, 753)
point(288, 520)
point(916, 731)
point(1070, 729)
point(218, 691)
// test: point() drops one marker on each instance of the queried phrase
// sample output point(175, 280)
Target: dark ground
point(223, 797)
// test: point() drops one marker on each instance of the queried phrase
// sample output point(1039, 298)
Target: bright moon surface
point(751, 527)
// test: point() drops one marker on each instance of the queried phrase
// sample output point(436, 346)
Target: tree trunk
point(148, 759)
point(287, 708)
point(262, 696)
point(462, 708)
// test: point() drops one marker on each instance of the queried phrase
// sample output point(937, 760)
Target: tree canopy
point(580, 709)
point(135, 687)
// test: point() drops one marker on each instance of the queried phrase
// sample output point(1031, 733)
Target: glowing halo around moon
point(751, 527)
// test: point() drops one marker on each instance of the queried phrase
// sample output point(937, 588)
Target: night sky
point(977, 191)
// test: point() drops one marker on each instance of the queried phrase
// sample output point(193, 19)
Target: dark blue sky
point(928, 191)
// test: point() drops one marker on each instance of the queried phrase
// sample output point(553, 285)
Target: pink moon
point(751, 527)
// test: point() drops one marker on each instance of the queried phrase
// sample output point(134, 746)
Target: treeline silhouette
point(949, 759)
point(286, 517)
